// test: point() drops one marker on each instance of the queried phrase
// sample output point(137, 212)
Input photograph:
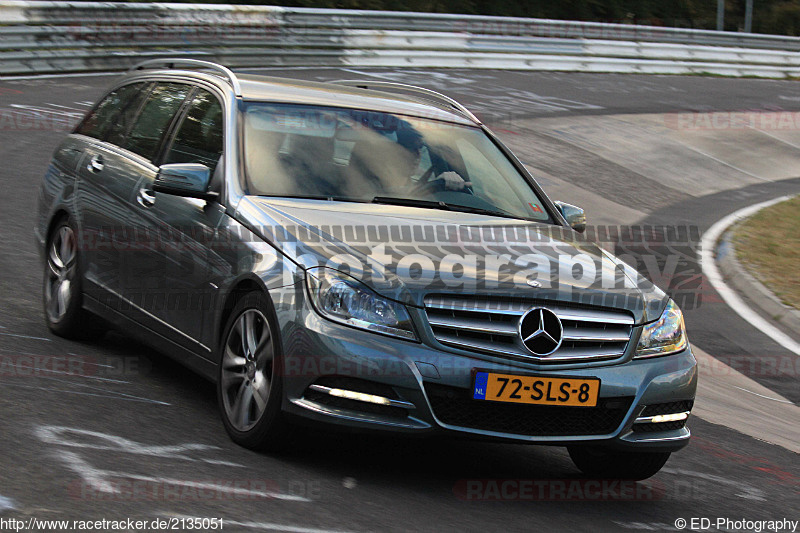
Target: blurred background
point(780, 17)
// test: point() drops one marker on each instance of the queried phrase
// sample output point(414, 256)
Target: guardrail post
point(748, 17)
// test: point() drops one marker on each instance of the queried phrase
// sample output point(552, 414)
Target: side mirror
point(185, 179)
point(574, 215)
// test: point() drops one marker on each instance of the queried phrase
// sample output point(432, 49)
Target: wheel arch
point(239, 288)
point(59, 214)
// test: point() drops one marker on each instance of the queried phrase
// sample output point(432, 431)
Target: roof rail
point(196, 64)
point(402, 87)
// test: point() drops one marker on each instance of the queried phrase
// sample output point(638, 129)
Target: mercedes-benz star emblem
point(541, 331)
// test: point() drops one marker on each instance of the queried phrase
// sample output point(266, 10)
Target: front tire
point(62, 290)
point(249, 384)
point(611, 464)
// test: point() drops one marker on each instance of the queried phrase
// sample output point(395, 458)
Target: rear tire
point(249, 383)
point(62, 288)
point(601, 463)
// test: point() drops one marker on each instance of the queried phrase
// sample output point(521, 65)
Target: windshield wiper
point(444, 206)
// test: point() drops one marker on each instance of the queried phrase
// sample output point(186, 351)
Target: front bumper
point(414, 373)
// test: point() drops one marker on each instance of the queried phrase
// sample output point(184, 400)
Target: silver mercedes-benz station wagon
point(363, 254)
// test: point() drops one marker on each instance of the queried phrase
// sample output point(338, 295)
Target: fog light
point(657, 419)
point(361, 396)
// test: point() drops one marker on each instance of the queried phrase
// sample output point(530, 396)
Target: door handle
point(96, 164)
point(146, 197)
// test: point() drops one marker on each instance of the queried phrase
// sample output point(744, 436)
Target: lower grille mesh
point(454, 406)
point(667, 408)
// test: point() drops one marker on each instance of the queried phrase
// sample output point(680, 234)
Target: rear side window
point(157, 113)
point(199, 138)
point(104, 114)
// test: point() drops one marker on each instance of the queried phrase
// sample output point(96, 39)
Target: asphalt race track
point(629, 148)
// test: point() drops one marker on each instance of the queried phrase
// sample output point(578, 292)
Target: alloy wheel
point(247, 368)
point(61, 263)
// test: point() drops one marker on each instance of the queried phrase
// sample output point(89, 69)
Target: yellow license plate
point(577, 392)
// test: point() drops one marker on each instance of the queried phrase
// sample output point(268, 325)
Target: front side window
point(104, 115)
point(157, 113)
point(199, 138)
point(353, 155)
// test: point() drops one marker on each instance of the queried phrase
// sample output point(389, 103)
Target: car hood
point(408, 253)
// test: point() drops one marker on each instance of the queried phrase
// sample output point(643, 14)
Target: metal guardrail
point(44, 37)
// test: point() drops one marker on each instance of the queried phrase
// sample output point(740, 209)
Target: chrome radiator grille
point(492, 326)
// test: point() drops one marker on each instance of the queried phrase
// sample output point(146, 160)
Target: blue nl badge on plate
point(481, 378)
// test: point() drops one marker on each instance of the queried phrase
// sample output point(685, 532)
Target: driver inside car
point(411, 141)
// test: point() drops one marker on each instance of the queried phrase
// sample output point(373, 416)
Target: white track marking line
point(772, 136)
point(212, 487)
point(707, 249)
point(126, 397)
point(762, 396)
point(15, 352)
point(748, 492)
point(37, 108)
point(59, 436)
point(242, 70)
point(720, 401)
point(25, 336)
point(77, 111)
point(6, 504)
point(729, 165)
point(44, 112)
point(384, 75)
point(63, 373)
point(50, 76)
point(121, 72)
point(85, 386)
point(104, 480)
point(91, 475)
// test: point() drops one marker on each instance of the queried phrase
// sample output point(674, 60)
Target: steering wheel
point(437, 185)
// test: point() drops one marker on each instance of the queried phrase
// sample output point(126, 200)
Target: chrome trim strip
point(495, 328)
point(578, 316)
point(519, 308)
point(594, 334)
point(491, 349)
point(170, 326)
point(319, 409)
point(393, 403)
point(666, 439)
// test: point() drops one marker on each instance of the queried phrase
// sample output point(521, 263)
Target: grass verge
point(768, 245)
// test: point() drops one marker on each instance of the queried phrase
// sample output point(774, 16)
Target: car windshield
point(365, 156)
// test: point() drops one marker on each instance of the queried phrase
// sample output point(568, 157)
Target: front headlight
point(344, 299)
point(664, 336)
